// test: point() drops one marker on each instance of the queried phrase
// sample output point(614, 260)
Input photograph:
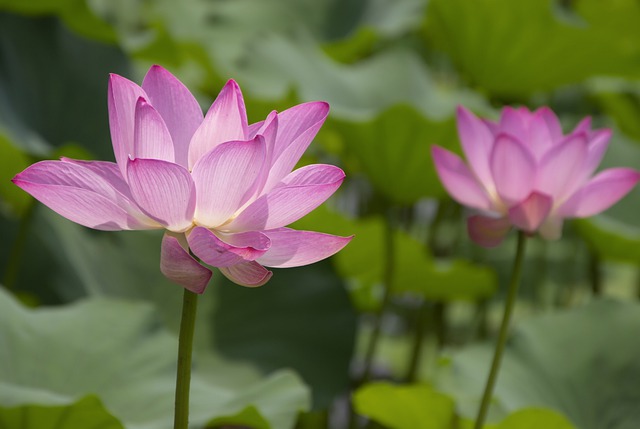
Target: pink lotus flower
point(221, 188)
point(524, 172)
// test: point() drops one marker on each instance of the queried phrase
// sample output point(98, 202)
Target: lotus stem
point(185, 349)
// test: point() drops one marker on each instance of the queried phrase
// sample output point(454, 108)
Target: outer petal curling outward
point(532, 212)
point(122, 97)
point(83, 195)
point(226, 178)
point(177, 106)
point(600, 193)
point(246, 246)
point(164, 191)
point(151, 138)
point(249, 274)
point(458, 180)
point(291, 248)
point(488, 231)
point(180, 267)
point(296, 195)
point(226, 121)
point(477, 142)
point(513, 168)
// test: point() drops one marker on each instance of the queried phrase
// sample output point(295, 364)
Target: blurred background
point(88, 324)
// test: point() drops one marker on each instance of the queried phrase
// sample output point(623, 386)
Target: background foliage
point(88, 324)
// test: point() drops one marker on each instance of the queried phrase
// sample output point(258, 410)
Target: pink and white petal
point(551, 228)
point(214, 251)
point(82, 196)
point(532, 212)
point(122, 98)
point(248, 274)
point(268, 130)
point(179, 266)
point(296, 195)
point(164, 191)
point(488, 231)
point(598, 143)
point(225, 121)
point(477, 142)
point(600, 193)
point(515, 121)
point(291, 248)
point(297, 127)
point(151, 138)
point(540, 140)
point(226, 178)
point(552, 122)
point(109, 171)
point(584, 126)
point(513, 168)
point(561, 169)
point(458, 180)
point(177, 106)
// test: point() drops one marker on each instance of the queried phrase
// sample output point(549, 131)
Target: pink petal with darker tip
point(477, 142)
point(178, 266)
point(235, 248)
point(249, 274)
point(458, 179)
point(177, 107)
point(488, 231)
point(530, 213)
point(291, 248)
point(225, 121)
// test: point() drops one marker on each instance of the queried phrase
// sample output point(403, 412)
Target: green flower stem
point(419, 335)
point(502, 335)
point(185, 349)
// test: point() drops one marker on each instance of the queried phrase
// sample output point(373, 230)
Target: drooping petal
point(600, 193)
point(178, 266)
point(561, 169)
point(530, 213)
point(225, 178)
point(297, 127)
point(177, 106)
point(226, 121)
point(513, 168)
point(83, 195)
point(291, 248)
point(458, 180)
point(151, 138)
point(236, 248)
point(296, 195)
point(477, 142)
point(249, 274)
point(488, 231)
point(164, 191)
point(122, 98)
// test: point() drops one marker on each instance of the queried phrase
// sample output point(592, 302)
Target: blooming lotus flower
point(222, 189)
point(523, 172)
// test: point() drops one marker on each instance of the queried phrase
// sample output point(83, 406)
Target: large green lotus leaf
point(76, 14)
point(118, 351)
point(405, 407)
point(515, 48)
point(582, 363)
point(394, 151)
point(415, 271)
point(53, 85)
point(85, 413)
point(302, 319)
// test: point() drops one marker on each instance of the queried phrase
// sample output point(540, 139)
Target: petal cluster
point(523, 172)
point(223, 189)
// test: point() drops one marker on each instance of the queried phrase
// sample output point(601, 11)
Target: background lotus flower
point(524, 172)
point(221, 188)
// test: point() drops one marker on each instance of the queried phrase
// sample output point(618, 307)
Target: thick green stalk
point(185, 349)
point(504, 329)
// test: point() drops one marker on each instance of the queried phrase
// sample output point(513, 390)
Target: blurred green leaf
point(582, 363)
point(118, 351)
point(535, 418)
point(86, 413)
point(405, 407)
point(611, 239)
point(12, 161)
point(394, 151)
point(515, 48)
point(250, 417)
point(358, 46)
point(302, 319)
